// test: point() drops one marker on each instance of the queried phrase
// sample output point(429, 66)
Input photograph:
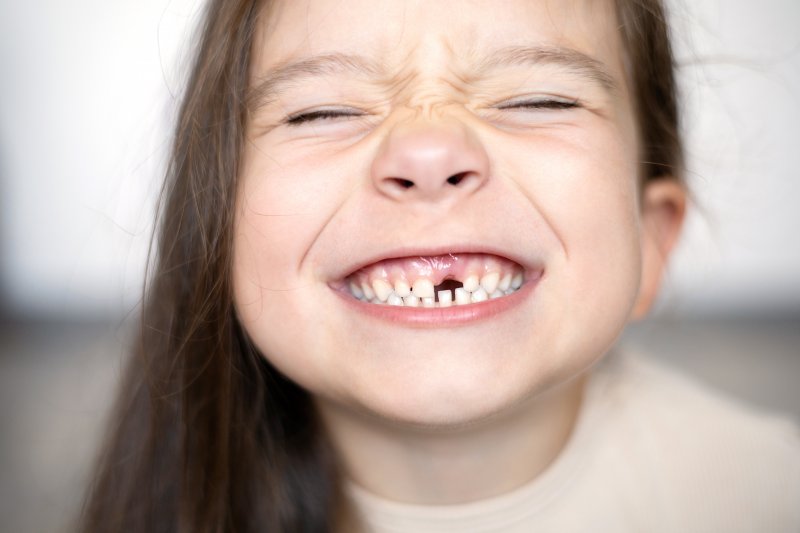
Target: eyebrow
point(272, 83)
point(576, 61)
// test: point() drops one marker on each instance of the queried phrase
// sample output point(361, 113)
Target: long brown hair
point(206, 435)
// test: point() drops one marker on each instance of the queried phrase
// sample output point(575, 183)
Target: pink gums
point(436, 268)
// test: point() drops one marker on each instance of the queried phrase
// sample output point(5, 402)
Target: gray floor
point(56, 384)
point(57, 381)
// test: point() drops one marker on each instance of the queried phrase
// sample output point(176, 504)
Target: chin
point(452, 385)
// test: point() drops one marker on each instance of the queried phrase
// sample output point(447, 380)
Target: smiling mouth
point(436, 281)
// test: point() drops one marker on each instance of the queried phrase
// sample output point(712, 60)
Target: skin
point(449, 414)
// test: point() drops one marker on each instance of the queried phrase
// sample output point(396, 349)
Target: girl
point(397, 240)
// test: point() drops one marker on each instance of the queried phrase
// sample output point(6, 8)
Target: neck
point(440, 466)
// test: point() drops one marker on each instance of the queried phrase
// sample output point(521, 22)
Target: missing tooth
point(447, 285)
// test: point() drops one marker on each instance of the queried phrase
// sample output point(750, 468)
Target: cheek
point(272, 229)
point(599, 227)
point(281, 210)
point(585, 187)
point(282, 206)
point(605, 254)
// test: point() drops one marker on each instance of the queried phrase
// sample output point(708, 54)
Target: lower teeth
point(444, 298)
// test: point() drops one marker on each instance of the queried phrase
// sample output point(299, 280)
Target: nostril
point(455, 179)
point(402, 182)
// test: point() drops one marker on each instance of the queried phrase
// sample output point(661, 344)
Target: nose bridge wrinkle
point(431, 107)
point(423, 158)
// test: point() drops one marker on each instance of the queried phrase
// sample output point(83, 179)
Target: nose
point(430, 162)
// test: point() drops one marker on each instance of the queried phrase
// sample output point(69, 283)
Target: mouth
point(439, 281)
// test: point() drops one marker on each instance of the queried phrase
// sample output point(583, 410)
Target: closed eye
point(540, 103)
point(320, 115)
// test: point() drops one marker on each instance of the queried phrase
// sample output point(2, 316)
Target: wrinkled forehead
point(419, 35)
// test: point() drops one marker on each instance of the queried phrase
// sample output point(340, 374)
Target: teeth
point(480, 295)
point(445, 298)
point(369, 294)
point(382, 289)
point(402, 288)
point(505, 283)
point(462, 296)
point(423, 288)
point(472, 283)
point(489, 282)
point(382, 293)
point(394, 300)
point(356, 291)
point(422, 292)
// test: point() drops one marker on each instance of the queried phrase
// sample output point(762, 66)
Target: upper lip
point(350, 268)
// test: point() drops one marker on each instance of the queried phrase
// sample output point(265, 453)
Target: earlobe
point(662, 213)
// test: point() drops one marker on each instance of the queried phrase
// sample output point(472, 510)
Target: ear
point(663, 210)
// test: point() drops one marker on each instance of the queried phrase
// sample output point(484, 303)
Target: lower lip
point(441, 317)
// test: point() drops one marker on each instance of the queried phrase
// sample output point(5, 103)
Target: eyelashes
point(318, 115)
point(529, 104)
point(539, 103)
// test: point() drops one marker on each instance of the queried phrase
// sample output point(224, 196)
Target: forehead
point(426, 34)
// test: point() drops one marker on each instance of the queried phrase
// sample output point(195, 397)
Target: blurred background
point(88, 91)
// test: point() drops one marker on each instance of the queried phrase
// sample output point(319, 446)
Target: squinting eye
point(320, 114)
point(554, 104)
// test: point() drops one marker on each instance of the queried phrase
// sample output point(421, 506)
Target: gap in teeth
point(432, 282)
point(449, 285)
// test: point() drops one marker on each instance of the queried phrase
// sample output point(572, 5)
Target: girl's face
point(398, 144)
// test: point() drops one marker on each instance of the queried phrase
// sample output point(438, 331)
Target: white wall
point(85, 108)
point(84, 111)
point(741, 78)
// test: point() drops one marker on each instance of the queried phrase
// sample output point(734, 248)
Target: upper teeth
point(472, 283)
point(423, 288)
point(481, 280)
point(382, 289)
point(489, 282)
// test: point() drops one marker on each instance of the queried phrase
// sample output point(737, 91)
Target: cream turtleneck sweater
point(652, 451)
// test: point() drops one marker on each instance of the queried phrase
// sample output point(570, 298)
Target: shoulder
point(705, 455)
